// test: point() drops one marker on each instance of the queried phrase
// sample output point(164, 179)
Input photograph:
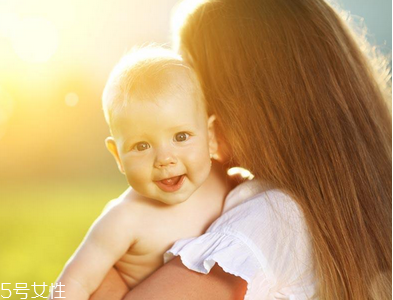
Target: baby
point(162, 140)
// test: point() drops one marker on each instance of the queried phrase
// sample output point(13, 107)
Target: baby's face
point(163, 145)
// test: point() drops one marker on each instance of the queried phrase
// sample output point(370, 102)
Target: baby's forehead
point(173, 79)
point(177, 89)
point(173, 106)
point(157, 80)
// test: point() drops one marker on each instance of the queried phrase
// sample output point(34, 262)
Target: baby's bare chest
point(146, 255)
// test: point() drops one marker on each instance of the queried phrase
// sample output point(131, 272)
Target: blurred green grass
point(42, 224)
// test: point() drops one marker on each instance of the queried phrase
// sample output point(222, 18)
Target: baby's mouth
point(171, 184)
point(171, 181)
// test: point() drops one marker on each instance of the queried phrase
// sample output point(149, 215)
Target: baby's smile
point(171, 184)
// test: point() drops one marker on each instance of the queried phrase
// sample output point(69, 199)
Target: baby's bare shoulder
point(132, 209)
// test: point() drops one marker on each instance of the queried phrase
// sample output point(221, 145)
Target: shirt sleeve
point(263, 240)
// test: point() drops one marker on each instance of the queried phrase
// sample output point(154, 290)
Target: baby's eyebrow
point(180, 126)
point(132, 139)
point(126, 144)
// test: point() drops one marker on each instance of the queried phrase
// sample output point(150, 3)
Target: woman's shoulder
point(242, 193)
point(252, 204)
point(253, 190)
point(262, 237)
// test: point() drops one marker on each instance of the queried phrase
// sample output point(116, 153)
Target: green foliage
point(42, 225)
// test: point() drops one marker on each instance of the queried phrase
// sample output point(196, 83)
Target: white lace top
point(261, 237)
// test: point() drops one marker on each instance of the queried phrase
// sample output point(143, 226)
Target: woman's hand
point(174, 281)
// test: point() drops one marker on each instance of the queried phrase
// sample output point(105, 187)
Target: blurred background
point(55, 173)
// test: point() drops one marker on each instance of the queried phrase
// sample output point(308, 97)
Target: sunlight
point(6, 109)
point(241, 171)
point(179, 15)
point(35, 40)
point(8, 21)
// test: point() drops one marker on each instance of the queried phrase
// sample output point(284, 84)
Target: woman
point(301, 108)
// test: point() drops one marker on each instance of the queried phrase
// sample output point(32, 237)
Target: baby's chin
point(173, 198)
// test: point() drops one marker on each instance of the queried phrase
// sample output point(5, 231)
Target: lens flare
point(35, 40)
point(8, 21)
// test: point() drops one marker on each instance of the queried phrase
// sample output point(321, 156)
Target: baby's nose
point(164, 159)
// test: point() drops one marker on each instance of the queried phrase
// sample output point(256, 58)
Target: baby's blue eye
point(181, 136)
point(141, 146)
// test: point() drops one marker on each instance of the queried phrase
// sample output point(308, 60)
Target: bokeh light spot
point(71, 99)
point(35, 40)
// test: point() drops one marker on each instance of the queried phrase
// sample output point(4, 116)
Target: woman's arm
point(113, 287)
point(174, 281)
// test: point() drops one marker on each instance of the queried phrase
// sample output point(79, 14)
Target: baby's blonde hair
point(144, 71)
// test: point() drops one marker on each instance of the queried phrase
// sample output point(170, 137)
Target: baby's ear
point(213, 145)
point(112, 148)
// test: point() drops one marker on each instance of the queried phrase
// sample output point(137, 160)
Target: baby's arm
point(106, 242)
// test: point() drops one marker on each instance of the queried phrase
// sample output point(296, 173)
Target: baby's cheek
point(198, 163)
point(199, 155)
point(136, 173)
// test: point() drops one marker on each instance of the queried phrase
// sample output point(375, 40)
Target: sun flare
point(35, 40)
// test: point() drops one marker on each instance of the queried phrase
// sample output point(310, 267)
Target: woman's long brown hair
point(300, 106)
